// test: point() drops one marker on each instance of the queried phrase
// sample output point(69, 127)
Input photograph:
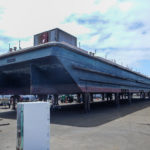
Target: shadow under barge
point(59, 68)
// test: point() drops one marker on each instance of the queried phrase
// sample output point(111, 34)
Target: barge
point(55, 65)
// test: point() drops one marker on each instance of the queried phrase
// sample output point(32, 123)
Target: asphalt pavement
point(106, 127)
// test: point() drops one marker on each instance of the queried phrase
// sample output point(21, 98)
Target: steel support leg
point(103, 97)
point(91, 97)
point(55, 99)
point(121, 96)
point(143, 96)
point(117, 99)
point(86, 100)
point(111, 96)
point(149, 95)
point(79, 98)
point(107, 96)
point(130, 98)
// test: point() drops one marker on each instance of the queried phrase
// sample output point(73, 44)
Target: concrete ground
point(106, 127)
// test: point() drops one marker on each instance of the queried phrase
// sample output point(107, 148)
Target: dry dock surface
point(106, 127)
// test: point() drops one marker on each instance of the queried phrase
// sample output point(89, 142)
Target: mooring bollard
point(33, 126)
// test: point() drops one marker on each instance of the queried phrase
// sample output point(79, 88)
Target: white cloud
point(24, 18)
point(125, 6)
point(105, 5)
point(27, 17)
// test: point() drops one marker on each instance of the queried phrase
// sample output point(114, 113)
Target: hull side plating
point(57, 69)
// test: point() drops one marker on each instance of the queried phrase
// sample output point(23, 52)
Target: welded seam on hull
point(106, 74)
point(94, 89)
point(109, 90)
point(95, 81)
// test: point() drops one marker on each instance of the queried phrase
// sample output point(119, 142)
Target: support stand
point(130, 98)
point(117, 99)
point(55, 99)
point(86, 102)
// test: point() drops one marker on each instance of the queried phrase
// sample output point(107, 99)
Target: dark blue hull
point(60, 69)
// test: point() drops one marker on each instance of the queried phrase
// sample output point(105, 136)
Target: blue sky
point(117, 29)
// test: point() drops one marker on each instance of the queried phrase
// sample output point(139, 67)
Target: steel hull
point(57, 69)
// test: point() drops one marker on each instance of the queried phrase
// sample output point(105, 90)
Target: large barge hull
point(58, 68)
